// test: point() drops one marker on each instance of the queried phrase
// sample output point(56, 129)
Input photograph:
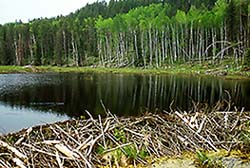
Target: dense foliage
point(132, 33)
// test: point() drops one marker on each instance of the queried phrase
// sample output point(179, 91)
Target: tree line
point(132, 33)
point(152, 36)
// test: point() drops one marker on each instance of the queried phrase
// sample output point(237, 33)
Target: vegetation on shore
point(133, 33)
point(223, 70)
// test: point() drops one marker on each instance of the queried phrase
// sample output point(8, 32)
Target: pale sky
point(12, 10)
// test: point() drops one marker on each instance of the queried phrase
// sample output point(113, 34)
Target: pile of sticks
point(75, 143)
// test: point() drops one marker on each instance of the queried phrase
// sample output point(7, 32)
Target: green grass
point(232, 72)
point(204, 161)
point(13, 69)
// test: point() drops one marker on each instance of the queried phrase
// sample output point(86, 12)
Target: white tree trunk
point(150, 48)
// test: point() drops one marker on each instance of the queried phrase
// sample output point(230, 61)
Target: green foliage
point(131, 152)
point(11, 139)
point(247, 57)
point(245, 137)
point(204, 161)
point(100, 149)
point(245, 133)
point(202, 157)
point(181, 17)
point(143, 153)
point(120, 135)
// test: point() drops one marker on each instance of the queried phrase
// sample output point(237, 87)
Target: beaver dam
point(134, 141)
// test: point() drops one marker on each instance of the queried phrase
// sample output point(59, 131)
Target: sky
point(12, 10)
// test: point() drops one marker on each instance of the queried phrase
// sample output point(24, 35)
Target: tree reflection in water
point(123, 94)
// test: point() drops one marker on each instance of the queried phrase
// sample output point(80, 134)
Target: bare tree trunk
point(177, 44)
point(100, 54)
point(169, 46)
point(42, 51)
point(214, 44)
point(159, 49)
point(108, 49)
point(64, 46)
point(156, 48)
point(135, 44)
point(32, 47)
point(122, 47)
point(31, 53)
point(74, 51)
point(206, 41)
point(143, 50)
point(20, 49)
point(222, 44)
point(16, 51)
point(182, 44)
point(163, 54)
point(191, 42)
point(77, 54)
point(241, 36)
point(200, 43)
point(173, 44)
point(150, 48)
point(118, 52)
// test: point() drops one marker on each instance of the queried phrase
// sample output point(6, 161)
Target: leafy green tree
point(9, 57)
point(2, 44)
point(59, 48)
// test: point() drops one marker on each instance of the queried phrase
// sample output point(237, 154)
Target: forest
point(138, 33)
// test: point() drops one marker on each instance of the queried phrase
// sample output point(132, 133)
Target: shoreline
point(183, 69)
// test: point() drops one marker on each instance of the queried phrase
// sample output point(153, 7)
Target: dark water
point(30, 99)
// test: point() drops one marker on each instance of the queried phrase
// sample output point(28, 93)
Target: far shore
point(182, 69)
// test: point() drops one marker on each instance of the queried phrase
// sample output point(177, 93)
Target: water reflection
point(13, 119)
point(124, 95)
point(131, 94)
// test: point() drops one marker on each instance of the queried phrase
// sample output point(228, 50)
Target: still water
point(31, 99)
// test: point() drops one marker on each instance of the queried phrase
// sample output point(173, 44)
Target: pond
point(32, 99)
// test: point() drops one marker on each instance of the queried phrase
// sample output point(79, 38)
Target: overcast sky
point(12, 10)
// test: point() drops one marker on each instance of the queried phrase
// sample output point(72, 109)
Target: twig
point(85, 144)
point(133, 132)
point(24, 136)
point(60, 164)
point(66, 151)
point(118, 147)
point(237, 120)
point(103, 136)
point(14, 150)
point(73, 139)
point(19, 162)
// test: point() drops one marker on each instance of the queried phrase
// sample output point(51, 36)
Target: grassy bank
point(222, 70)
